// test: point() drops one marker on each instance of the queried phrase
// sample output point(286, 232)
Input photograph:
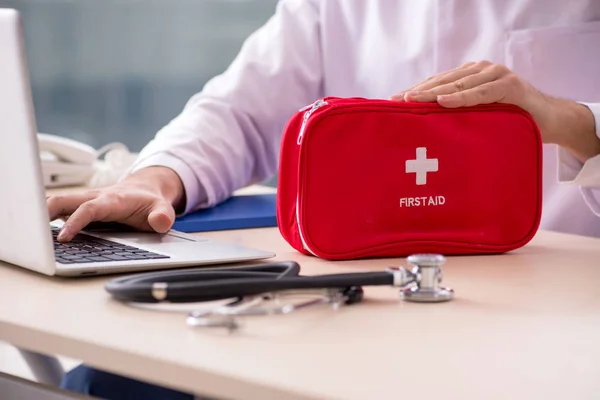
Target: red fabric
point(356, 199)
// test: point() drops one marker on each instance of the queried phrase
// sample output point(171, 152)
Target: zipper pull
point(311, 108)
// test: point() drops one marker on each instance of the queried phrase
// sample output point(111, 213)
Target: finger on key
point(66, 204)
point(93, 210)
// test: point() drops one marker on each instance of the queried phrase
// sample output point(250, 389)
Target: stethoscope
point(249, 285)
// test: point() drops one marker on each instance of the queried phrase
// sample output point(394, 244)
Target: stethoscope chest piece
point(427, 273)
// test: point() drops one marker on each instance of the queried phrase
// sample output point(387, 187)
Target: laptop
point(28, 238)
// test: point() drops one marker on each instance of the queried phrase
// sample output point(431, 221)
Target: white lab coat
point(228, 135)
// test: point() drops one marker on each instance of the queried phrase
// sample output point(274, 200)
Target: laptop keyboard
point(85, 249)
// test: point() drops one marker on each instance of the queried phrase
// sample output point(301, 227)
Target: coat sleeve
point(228, 135)
point(585, 175)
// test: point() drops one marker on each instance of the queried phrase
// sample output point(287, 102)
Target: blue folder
point(237, 212)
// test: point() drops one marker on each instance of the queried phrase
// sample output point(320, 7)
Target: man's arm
point(228, 135)
point(579, 159)
point(571, 125)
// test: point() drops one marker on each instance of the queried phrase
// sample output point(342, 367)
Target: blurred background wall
point(119, 70)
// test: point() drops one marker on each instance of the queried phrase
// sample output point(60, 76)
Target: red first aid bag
point(361, 178)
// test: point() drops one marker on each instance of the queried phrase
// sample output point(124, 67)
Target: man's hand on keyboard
point(145, 200)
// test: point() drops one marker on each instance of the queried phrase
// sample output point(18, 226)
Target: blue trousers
point(104, 385)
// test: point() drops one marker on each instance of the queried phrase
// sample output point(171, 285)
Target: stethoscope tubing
point(197, 285)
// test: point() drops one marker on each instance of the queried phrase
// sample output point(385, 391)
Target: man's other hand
point(563, 122)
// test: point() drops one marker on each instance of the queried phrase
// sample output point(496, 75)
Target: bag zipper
point(308, 111)
point(311, 108)
point(304, 245)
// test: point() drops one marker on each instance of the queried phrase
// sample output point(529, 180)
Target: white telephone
point(66, 162)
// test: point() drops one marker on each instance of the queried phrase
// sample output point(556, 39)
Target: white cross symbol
point(422, 165)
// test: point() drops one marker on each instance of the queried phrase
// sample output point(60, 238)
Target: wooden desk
point(523, 326)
